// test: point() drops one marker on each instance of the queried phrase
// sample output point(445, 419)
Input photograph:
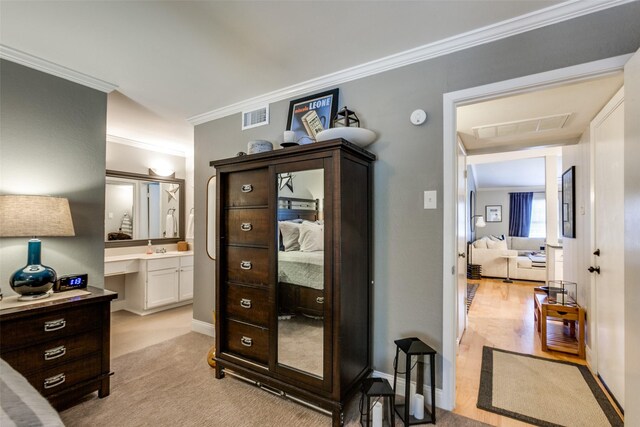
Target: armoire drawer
point(247, 226)
point(55, 352)
point(248, 304)
point(248, 341)
point(248, 265)
point(44, 327)
point(60, 377)
point(248, 188)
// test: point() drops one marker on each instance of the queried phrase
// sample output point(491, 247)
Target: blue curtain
point(520, 214)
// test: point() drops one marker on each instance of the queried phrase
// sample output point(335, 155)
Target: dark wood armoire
point(293, 276)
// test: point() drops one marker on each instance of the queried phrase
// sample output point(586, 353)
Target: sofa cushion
point(527, 243)
point(497, 244)
point(481, 243)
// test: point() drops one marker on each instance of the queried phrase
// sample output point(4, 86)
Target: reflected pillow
point(311, 237)
point(290, 232)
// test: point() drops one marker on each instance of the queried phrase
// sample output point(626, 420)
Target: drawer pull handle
point(55, 381)
point(246, 341)
point(320, 300)
point(245, 265)
point(247, 188)
point(246, 226)
point(54, 353)
point(54, 325)
point(245, 303)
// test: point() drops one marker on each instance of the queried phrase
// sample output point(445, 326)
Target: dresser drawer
point(248, 188)
point(248, 304)
point(44, 327)
point(247, 226)
point(249, 341)
point(54, 352)
point(247, 265)
point(58, 378)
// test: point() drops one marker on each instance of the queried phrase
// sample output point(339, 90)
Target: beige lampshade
point(35, 216)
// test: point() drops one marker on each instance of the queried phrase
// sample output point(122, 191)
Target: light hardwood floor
point(130, 332)
point(501, 316)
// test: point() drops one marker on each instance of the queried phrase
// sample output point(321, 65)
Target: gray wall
point(408, 239)
point(53, 142)
point(493, 197)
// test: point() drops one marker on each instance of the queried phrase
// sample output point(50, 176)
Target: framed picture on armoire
point(569, 203)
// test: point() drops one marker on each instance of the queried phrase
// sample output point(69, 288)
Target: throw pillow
point(480, 244)
point(311, 237)
point(290, 235)
point(496, 244)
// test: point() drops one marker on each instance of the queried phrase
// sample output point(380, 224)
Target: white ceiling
point(529, 172)
point(583, 100)
point(177, 59)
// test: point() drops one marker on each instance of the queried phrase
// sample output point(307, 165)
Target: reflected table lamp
point(31, 216)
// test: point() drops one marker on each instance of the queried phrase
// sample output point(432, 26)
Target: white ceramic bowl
point(359, 136)
point(259, 146)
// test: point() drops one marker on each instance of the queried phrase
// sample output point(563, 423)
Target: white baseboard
point(203, 327)
point(426, 390)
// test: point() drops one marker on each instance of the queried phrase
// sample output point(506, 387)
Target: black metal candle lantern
point(377, 390)
point(346, 118)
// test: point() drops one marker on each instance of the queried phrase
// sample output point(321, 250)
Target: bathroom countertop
point(168, 254)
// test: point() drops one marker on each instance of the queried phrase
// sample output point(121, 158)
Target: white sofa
point(489, 252)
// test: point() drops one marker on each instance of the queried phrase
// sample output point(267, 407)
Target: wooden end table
point(553, 335)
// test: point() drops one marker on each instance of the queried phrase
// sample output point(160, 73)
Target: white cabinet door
point(186, 282)
point(162, 287)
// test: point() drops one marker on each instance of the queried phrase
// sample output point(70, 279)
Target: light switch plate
point(430, 198)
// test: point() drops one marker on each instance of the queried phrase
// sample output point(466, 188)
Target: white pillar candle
point(289, 136)
point(377, 414)
point(418, 406)
point(412, 394)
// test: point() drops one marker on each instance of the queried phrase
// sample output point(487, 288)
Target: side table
point(568, 315)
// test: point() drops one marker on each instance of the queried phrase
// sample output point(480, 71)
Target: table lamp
point(43, 216)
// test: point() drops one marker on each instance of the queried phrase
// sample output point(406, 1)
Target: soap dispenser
point(149, 248)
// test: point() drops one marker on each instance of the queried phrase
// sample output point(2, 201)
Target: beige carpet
point(542, 391)
point(170, 384)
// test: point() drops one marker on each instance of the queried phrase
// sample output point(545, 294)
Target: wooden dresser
point(296, 320)
point(61, 346)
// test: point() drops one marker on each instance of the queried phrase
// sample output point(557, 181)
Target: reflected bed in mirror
point(142, 207)
point(301, 271)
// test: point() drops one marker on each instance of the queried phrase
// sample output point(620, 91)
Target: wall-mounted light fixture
point(162, 172)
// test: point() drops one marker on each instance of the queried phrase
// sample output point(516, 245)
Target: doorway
point(451, 102)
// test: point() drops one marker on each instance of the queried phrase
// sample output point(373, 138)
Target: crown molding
point(146, 146)
point(31, 61)
point(530, 21)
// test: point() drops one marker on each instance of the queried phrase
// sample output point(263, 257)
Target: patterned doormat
point(471, 292)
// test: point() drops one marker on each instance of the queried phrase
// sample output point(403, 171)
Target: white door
point(162, 287)
point(607, 135)
point(186, 282)
point(461, 221)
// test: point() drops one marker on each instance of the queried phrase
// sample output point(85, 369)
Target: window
point(538, 216)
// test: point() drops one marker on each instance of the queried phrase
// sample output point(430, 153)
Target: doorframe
point(451, 101)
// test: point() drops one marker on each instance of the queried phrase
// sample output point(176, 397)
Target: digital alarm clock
point(71, 281)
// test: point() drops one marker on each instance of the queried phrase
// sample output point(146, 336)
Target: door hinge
point(453, 270)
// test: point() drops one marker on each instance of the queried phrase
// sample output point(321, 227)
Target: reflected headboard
point(296, 208)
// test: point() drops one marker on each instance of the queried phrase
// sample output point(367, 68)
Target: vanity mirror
point(141, 207)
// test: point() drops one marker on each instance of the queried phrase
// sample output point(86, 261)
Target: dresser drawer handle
point(54, 325)
point(245, 303)
point(246, 226)
point(54, 353)
point(55, 381)
point(320, 300)
point(245, 265)
point(247, 188)
point(246, 341)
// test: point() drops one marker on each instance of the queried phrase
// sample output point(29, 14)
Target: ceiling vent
point(255, 118)
point(521, 127)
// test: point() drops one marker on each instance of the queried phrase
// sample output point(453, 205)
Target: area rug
point(171, 384)
point(471, 292)
point(542, 392)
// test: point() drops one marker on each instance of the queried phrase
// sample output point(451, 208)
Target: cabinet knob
point(245, 265)
point(54, 381)
point(245, 303)
point(246, 226)
point(54, 353)
point(246, 341)
point(54, 325)
point(247, 188)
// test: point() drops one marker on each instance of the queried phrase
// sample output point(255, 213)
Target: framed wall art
point(569, 203)
point(493, 213)
point(312, 114)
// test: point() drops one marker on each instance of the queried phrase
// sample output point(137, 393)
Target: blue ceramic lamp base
point(34, 280)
